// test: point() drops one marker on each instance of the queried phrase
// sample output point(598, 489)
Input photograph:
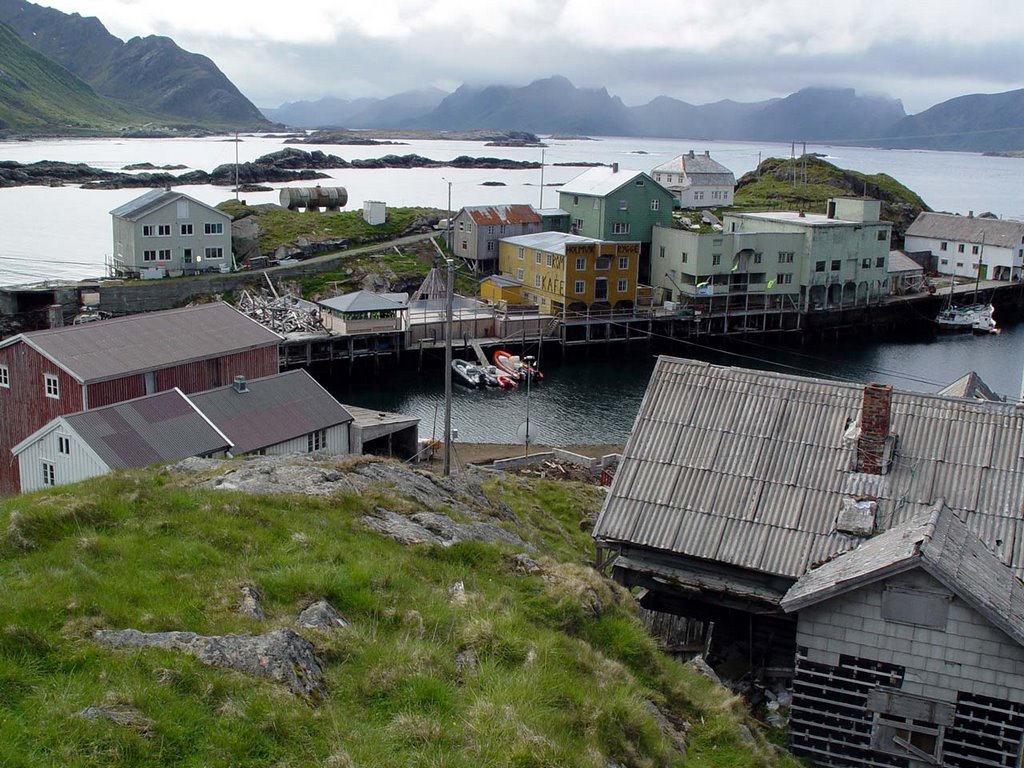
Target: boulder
point(251, 602)
point(320, 615)
point(245, 239)
point(282, 655)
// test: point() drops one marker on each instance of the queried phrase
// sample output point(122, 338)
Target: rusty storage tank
point(314, 198)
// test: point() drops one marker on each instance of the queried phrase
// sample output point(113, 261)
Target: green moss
point(554, 680)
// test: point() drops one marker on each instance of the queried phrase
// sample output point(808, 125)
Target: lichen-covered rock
point(251, 602)
point(434, 528)
point(282, 655)
point(125, 716)
point(321, 615)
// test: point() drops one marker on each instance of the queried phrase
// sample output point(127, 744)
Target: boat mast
point(981, 258)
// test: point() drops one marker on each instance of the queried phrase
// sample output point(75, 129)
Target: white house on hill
point(697, 181)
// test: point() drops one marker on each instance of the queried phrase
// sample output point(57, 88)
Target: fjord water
point(65, 232)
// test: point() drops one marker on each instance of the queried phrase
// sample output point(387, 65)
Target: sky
point(698, 51)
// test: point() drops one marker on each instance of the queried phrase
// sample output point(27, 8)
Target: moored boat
point(966, 318)
point(468, 375)
point(515, 367)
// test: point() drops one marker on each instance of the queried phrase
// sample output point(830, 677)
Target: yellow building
point(496, 289)
point(562, 272)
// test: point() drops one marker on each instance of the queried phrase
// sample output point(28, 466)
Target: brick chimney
point(874, 428)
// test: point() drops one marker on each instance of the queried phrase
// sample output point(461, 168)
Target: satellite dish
point(522, 435)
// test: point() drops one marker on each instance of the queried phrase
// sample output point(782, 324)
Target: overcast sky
point(698, 51)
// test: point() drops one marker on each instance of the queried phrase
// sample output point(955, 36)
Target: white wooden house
point(966, 245)
point(697, 181)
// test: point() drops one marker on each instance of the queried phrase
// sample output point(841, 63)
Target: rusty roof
point(109, 349)
point(494, 215)
point(751, 468)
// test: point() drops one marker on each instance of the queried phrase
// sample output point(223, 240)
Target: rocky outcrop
point(321, 615)
point(250, 604)
point(435, 528)
point(282, 655)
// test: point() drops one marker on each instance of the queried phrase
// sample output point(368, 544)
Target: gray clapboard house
point(863, 545)
point(477, 229)
point(165, 233)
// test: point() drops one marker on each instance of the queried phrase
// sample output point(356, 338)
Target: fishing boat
point(515, 367)
point(966, 318)
point(985, 324)
point(497, 378)
point(468, 375)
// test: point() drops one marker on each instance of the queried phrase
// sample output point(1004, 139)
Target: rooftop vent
point(239, 385)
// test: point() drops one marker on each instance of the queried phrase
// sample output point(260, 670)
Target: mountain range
point(150, 74)
point(982, 122)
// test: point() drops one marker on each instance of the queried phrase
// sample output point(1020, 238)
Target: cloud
point(699, 51)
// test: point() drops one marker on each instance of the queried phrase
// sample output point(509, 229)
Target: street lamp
point(529, 361)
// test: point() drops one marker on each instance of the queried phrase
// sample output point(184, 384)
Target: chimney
point(691, 153)
point(802, 215)
point(874, 428)
point(55, 315)
point(239, 385)
point(970, 214)
point(615, 167)
point(707, 153)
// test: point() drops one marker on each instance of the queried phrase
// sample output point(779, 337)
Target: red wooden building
point(44, 374)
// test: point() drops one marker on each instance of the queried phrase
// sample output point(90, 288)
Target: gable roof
point(602, 180)
point(549, 242)
point(502, 281)
point(751, 468)
point(970, 386)
point(273, 410)
point(899, 262)
point(493, 215)
point(1003, 233)
point(937, 541)
point(156, 429)
point(367, 301)
point(109, 349)
point(145, 204)
point(692, 165)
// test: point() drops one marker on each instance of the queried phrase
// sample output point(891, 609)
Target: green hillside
point(459, 655)
point(37, 94)
point(779, 184)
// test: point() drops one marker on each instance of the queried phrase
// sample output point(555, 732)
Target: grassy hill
point(772, 187)
point(37, 94)
point(544, 666)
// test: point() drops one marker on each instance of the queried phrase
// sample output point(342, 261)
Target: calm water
point(595, 400)
point(66, 232)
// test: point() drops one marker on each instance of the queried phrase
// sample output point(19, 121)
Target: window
point(186, 255)
point(784, 278)
point(501, 229)
point(549, 260)
point(64, 445)
point(538, 256)
point(623, 205)
point(577, 224)
point(944, 261)
point(522, 253)
point(640, 181)
point(959, 265)
point(520, 274)
point(899, 726)
point(757, 257)
point(623, 262)
point(536, 281)
point(716, 259)
point(163, 230)
point(943, 246)
point(575, 199)
point(49, 474)
point(655, 205)
point(785, 257)
point(581, 264)
point(882, 235)
point(148, 230)
point(836, 265)
point(974, 250)
point(960, 248)
point(865, 263)
point(620, 228)
point(686, 257)
point(214, 253)
point(5, 377)
point(880, 261)
point(698, 195)
point(149, 255)
point(465, 245)
point(213, 228)
point(164, 254)
point(819, 266)
point(51, 384)
point(462, 226)
point(316, 441)
point(622, 286)
point(579, 287)
point(661, 252)
point(490, 246)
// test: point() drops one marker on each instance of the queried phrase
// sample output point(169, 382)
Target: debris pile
point(282, 314)
point(555, 469)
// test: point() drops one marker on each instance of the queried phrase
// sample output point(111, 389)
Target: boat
point(496, 377)
point(514, 366)
point(966, 318)
point(985, 324)
point(468, 375)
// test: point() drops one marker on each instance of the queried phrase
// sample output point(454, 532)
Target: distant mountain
point(151, 72)
point(830, 115)
point(358, 113)
point(552, 105)
point(670, 118)
point(38, 94)
point(980, 122)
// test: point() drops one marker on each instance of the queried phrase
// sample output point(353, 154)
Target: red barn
point(44, 374)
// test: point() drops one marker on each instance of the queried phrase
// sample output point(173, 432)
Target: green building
point(605, 203)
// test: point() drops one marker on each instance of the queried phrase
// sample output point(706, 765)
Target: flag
point(771, 283)
point(735, 266)
point(701, 285)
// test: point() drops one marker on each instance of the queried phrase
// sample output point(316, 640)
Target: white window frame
point(164, 254)
point(579, 287)
point(623, 285)
point(520, 274)
point(163, 230)
point(49, 474)
point(186, 230)
point(149, 255)
point(581, 264)
point(51, 386)
point(549, 260)
point(316, 441)
point(655, 204)
point(149, 230)
point(213, 228)
point(5, 377)
point(784, 278)
point(620, 228)
point(536, 280)
point(213, 252)
point(624, 262)
point(623, 205)
point(64, 445)
point(522, 254)
point(538, 257)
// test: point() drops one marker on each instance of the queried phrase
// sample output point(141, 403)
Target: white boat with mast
point(977, 317)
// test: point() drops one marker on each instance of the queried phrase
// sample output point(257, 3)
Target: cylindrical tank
point(314, 198)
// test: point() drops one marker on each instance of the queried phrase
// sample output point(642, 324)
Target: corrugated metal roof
point(109, 349)
point(494, 215)
point(367, 301)
point(273, 410)
point(938, 541)
point(135, 209)
point(502, 281)
point(549, 242)
point(971, 387)
point(1004, 233)
point(156, 429)
point(900, 263)
point(603, 180)
point(776, 451)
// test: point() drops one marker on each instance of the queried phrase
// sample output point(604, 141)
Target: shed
point(905, 274)
point(382, 433)
point(495, 289)
point(365, 312)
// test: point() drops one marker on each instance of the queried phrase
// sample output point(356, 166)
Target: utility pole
point(542, 178)
point(448, 232)
point(529, 360)
point(236, 166)
point(448, 366)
